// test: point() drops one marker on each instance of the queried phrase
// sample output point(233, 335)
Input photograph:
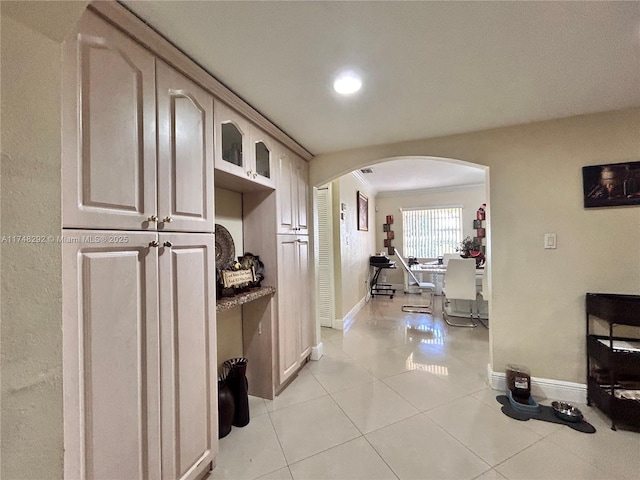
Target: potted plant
point(469, 248)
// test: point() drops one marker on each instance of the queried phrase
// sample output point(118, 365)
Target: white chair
point(413, 285)
point(484, 293)
point(448, 256)
point(460, 284)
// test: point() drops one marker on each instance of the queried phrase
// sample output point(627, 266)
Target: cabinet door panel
point(187, 323)
point(232, 143)
point(108, 166)
point(111, 364)
point(302, 196)
point(284, 192)
point(185, 153)
point(307, 328)
point(288, 321)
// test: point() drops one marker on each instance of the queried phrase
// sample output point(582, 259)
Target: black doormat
point(545, 414)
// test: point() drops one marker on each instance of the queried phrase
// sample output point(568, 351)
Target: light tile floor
point(404, 396)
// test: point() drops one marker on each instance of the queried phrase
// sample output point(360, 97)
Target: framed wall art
point(363, 212)
point(611, 185)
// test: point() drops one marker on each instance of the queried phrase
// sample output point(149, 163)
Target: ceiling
point(428, 68)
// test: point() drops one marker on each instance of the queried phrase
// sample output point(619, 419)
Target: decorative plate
point(225, 248)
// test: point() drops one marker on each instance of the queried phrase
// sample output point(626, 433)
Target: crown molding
point(365, 183)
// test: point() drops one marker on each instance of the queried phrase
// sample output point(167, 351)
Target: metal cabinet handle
point(168, 244)
point(167, 219)
point(255, 174)
point(154, 244)
point(152, 218)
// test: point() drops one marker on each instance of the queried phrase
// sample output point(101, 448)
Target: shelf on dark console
point(226, 303)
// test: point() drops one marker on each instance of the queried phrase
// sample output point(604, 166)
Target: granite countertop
point(225, 303)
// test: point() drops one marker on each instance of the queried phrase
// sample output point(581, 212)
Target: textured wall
point(32, 427)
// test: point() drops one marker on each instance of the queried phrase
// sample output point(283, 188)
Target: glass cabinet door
point(232, 139)
point(263, 159)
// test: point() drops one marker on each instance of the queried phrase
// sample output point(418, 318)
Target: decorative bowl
point(566, 411)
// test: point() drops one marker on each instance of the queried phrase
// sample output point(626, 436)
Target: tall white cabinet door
point(185, 154)
point(285, 194)
point(288, 299)
point(111, 356)
point(108, 130)
point(307, 327)
point(188, 354)
point(302, 196)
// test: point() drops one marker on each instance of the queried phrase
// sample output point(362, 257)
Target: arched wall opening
point(350, 248)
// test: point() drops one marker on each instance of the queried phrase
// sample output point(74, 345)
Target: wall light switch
point(549, 240)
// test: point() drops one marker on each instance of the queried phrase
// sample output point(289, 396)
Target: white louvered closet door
point(325, 282)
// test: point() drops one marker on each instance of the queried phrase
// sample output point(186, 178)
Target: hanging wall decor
point(363, 212)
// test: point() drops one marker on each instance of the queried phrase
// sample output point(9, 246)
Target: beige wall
point(537, 308)
point(468, 198)
point(229, 323)
point(31, 332)
point(353, 247)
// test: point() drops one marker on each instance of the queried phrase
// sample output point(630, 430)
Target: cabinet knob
point(168, 244)
point(152, 218)
point(167, 219)
point(254, 175)
point(154, 244)
point(248, 173)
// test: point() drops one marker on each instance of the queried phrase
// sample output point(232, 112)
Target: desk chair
point(413, 285)
point(460, 284)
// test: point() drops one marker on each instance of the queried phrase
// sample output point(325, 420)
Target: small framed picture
point(390, 250)
point(387, 242)
point(363, 212)
point(477, 224)
point(386, 227)
point(481, 232)
point(390, 235)
point(389, 219)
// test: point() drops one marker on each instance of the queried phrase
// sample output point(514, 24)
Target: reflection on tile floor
point(404, 396)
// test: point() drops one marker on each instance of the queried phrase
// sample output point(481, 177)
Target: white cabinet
point(139, 355)
point(113, 175)
point(295, 332)
point(242, 150)
point(292, 194)
point(185, 153)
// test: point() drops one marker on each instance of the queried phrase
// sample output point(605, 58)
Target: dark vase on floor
point(226, 405)
point(238, 384)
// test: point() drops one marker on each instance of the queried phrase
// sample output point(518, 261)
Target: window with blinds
point(431, 232)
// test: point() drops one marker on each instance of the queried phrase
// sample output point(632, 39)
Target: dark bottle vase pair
point(233, 397)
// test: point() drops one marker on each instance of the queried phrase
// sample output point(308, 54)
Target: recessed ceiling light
point(347, 83)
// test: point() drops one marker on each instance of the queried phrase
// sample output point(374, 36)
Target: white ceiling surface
point(429, 68)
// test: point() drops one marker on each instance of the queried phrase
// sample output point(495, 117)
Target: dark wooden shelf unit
point(612, 368)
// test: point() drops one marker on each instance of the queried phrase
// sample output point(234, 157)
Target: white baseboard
point(317, 351)
point(342, 323)
point(543, 388)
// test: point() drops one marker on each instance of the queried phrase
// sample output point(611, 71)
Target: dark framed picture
point(363, 212)
point(389, 219)
point(611, 185)
point(477, 224)
point(391, 235)
point(387, 242)
point(390, 251)
point(386, 227)
point(481, 232)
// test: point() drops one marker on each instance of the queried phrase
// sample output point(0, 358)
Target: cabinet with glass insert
point(244, 153)
point(613, 356)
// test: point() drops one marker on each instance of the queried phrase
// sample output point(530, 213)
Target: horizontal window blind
point(431, 232)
